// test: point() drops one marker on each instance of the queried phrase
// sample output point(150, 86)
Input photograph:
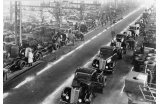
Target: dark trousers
point(30, 64)
point(26, 59)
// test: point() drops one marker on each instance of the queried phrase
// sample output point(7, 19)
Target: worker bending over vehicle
point(118, 44)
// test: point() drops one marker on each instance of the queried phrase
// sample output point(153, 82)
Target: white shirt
point(129, 33)
point(30, 57)
point(27, 51)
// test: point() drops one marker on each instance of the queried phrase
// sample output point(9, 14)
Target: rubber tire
point(150, 64)
point(21, 64)
point(140, 55)
point(56, 46)
point(139, 59)
point(151, 54)
point(104, 80)
point(39, 56)
point(151, 59)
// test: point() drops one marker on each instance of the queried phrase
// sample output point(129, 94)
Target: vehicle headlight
point(67, 97)
point(87, 100)
point(80, 100)
point(106, 67)
point(64, 94)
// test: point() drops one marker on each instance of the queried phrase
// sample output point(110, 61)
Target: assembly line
point(95, 68)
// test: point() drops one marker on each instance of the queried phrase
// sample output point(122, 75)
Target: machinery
point(79, 35)
point(13, 61)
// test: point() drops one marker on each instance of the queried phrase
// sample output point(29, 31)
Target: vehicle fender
point(16, 61)
point(65, 91)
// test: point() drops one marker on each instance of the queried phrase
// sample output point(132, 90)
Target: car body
point(135, 28)
point(106, 59)
point(141, 25)
point(80, 94)
point(93, 77)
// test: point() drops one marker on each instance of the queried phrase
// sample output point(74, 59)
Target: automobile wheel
point(103, 80)
point(21, 64)
point(56, 46)
point(90, 99)
point(38, 56)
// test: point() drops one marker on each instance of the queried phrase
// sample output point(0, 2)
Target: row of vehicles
point(89, 81)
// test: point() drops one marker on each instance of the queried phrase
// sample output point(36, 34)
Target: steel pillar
point(18, 22)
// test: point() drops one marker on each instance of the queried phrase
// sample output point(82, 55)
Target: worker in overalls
point(27, 50)
point(97, 23)
point(150, 77)
point(118, 44)
point(30, 57)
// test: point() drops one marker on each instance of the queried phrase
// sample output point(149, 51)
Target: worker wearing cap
point(150, 77)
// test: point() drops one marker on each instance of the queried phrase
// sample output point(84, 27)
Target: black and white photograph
point(79, 51)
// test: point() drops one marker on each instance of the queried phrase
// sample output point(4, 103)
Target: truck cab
point(135, 28)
